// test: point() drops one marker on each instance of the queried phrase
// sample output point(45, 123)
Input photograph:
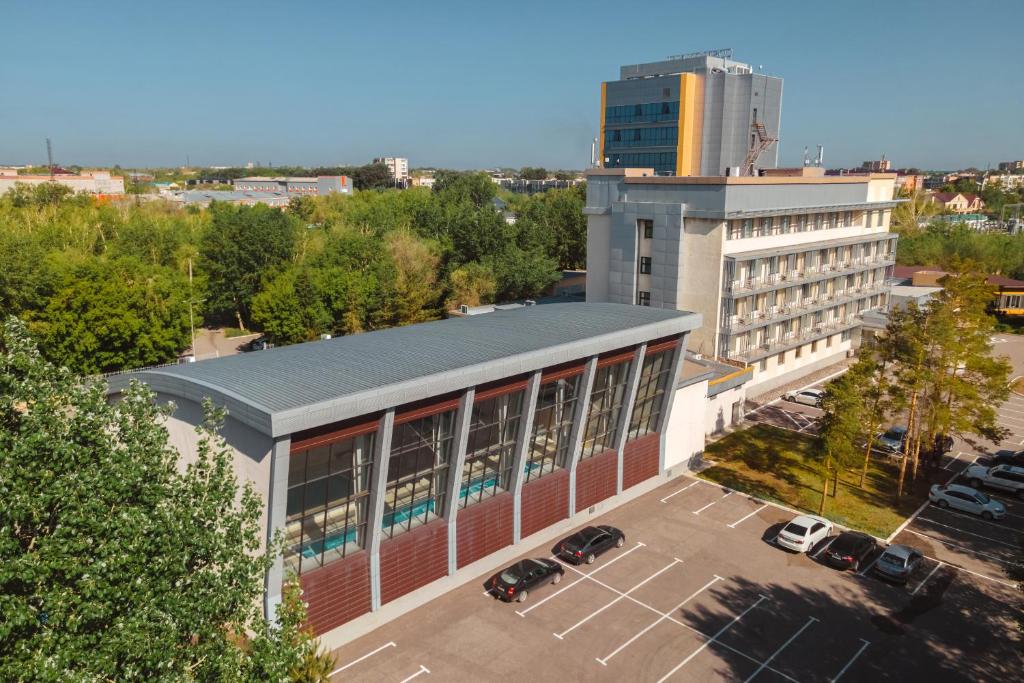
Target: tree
point(906, 217)
point(115, 563)
point(241, 247)
point(372, 177)
point(532, 173)
point(869, 376)
point(521, 273)
point(840, 425)
point(472, 284)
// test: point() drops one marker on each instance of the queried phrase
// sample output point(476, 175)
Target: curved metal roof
point(287, 389)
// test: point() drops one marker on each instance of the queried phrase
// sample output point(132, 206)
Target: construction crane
point(759, 142)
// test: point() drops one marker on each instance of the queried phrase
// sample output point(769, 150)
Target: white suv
point(966, 499)
point(1004, 477)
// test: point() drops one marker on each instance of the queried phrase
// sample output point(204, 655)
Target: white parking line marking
point(955, 458)
point(697, 512)
point(852, 660)
point(620, 648)
point(1001, 582)
point(561, 636)
point(665, 499)
point(866, 569)
point(366, 656)
point(823, 548)
point(909, 520)
point(976, 519)
point(935, 569)
point(961, 548)
point(669, 617)
point(746, 517)
point(585, 575)
point(713, 638)
point(423, 670)
point(793, 420)
point(781, 648)
point(969, 533)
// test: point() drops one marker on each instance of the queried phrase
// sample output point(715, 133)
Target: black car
point(586, 544)
point(515, 582)
point(1013, 459)
point(849, 550)
point(257, 344)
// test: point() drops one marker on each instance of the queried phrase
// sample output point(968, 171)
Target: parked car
point(516, 581)
point(897, 563)
point(804, 532)
point(808, 397)
point(257, 344)
point(589, 543)
point(850, 549)
point(966, 499)
point(1002, 477)
point(891, 440)
point(1014, 459)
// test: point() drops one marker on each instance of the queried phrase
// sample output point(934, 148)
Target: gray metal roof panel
point(304, 385)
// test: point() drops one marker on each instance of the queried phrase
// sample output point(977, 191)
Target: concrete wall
point(719, 413)
point(251, 450)
point(684, 438)
point(700, 279)
point(598, 245)
point(729, 103)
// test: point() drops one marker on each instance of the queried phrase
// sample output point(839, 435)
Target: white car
point(1003, 477)
point(804, 532)
point(808, 397)
point(966, 499)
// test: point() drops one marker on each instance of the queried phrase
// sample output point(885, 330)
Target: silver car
point(897, 563)
point(808, 397)
point(966, 499)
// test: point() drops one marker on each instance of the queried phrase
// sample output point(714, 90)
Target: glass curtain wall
point(552, 425)
point(328, 492)
point(654, 378)
point(490, 447)
point(417, 471)
point(605, 406)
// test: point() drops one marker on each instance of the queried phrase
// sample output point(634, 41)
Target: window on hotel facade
point(801, 223)
point(645, 265)
point(748, 228)
point(643, 298)
point(417, 471)
point(784, 224)
point(605, 407)
point(849, 218)
point(328, 492)
point(552, 425)
point(819, 221)
point(490, 447)
point(654, 377)
point(646, 227)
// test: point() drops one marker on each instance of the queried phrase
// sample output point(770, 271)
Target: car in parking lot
point(804, 532)
point(808, 397)
point(897, 563)
point(891, 440)
point(589, 543)
point(1002, 477)
point(966, 499)
point(849, 550)
point(1013, 459)
point(516, 581)
point(257, 344)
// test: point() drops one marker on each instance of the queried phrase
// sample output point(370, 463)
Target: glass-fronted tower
point(689, 115)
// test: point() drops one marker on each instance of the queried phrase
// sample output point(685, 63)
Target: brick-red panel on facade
point(640, 459)
point(596, 479)
point(544, 502)
point(413, 559)
point(337, 592)
point(483, 528)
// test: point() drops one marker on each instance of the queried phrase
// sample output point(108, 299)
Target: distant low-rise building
point(423, 181)
point(959, 202)
point(882, 165)
point(1011, 165)
point(909, 183)
point(1007, 181)
point(90, 182)
point(398, 167)
point(296, 186)
point(203, 198)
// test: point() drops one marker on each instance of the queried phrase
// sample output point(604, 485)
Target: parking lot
point(699, 592)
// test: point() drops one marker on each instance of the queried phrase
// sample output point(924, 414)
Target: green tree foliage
point(243, 246)
point(944, 245)
point(533, 173)
point(114, 563)
point(839, 429)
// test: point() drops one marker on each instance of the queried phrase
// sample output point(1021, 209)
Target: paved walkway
point(214, 343)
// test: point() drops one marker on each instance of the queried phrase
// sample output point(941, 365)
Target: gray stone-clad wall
point(622, 255)
point(666, 252)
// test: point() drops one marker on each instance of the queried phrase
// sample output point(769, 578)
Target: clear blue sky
point(469, 84)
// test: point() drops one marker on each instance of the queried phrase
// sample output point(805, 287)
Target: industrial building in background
point(700, 114)
point(780, 266)
point(90, 182)
point(296, 186)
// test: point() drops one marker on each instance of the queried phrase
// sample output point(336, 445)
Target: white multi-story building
point(91, 182)
point(780, 266)
point(397, 166)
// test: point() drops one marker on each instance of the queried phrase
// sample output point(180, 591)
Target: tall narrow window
point(417, 472)
point(645, 265)
point(654, 378)
point(643, 298)
point(553, 419)
point(490, 447)
point(328, 491)
point(606, 400)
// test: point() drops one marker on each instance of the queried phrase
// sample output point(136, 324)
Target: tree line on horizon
point(106, 286)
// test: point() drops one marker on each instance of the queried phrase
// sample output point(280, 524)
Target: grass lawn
point(779, 465)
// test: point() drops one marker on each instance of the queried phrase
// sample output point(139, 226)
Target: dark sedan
point(587, 544)
point(516, 582)
point(1012, 459)
point(849, 550)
